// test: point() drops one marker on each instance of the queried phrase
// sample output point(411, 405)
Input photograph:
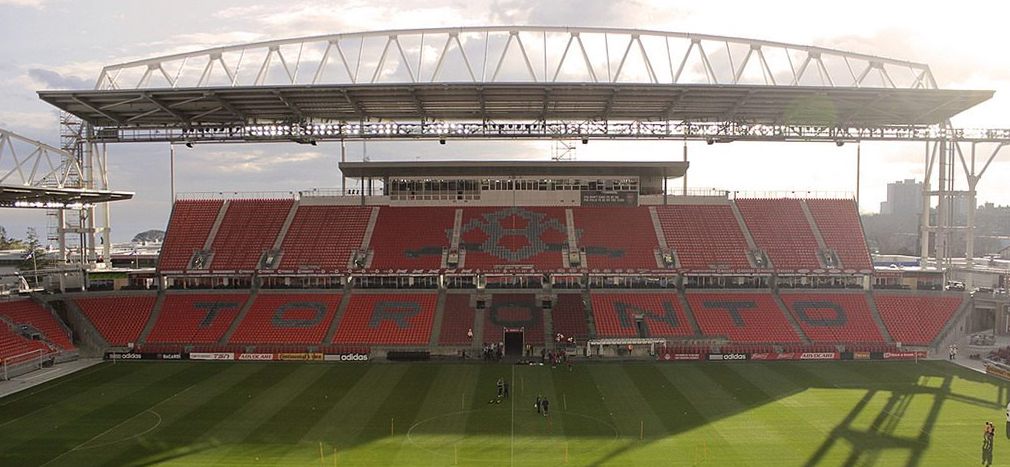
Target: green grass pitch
point(703, 414)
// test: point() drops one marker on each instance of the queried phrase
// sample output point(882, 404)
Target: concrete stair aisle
point(821, 246)
point(341, 309)
point(657, 226)
point(89, 340)
point(746, 232)
point(242, 312)
point(436, 327)
point(790, 318)
point(875, 314)
point(689, 313)
point(478, 327)
point(590, 322)
point(153, 319)
point(548, 329)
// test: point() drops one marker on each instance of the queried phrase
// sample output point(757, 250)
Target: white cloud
point(38, 4)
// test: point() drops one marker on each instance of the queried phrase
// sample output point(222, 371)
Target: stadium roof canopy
point(499, 169)
point(514, 74)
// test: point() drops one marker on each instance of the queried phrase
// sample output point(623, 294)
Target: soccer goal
point(20, 364)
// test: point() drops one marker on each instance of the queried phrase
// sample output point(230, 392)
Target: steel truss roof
point(193, 108)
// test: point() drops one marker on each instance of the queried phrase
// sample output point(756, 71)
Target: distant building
point(903, 197)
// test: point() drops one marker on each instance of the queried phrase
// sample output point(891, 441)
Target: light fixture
point(189, 145)
point(441, 141)
point(585, 140)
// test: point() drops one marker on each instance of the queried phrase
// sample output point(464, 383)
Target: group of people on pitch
point(989, 435)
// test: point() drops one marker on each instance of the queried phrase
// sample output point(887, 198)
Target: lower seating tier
point(387, 319)
point(196, 318)
point(120, 320)
point(287, 319)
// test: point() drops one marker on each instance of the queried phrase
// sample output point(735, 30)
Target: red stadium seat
point(661, 315)
point(780, 228)
point(13, 344)
point(842, 231)
point(513, 236)
point(833, 318)
point(187, 232)
point(276, 318)
point(741, 317)
point(324, 237)
point(568, 317)
point(916, 319)
point(631, 246)
point(31, 313)
point(249, 228)
point(457, 319)
point(120, 320)
point(705, 236)
point(514, 311)
point(387, 319)
point(195, 318)
point(411, 238)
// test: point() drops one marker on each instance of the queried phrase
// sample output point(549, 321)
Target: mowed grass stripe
point(591, 433)
point(439, 432)
point(188, 419)
point(64, 425)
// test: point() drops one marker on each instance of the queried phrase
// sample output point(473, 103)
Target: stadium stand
point(568, 317)
point(842, 231)
point(187, 232)
point(616, 315)
point(119, 319)
point(705, 237)
point(195, 318)
point(287, 319)
point(457, 319)
point(780, 228)
point(514, 311)
point(833, 318)
point(249, 228)
point(28, 312)
point(387, 319)
point(916, 319)
point(631, 246)
point(13, 344)
point(411, 238)
point(513, 236)
point(741, 317)
point(324, 237)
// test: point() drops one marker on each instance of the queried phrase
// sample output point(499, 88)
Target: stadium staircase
point(155, 312)
point(657, 226)
point(590, 322)
point(89, 338)
point(242, 312)
point(282, 234)
point(875, 314)
point(366, 239)
point(207, 244)
point(689, 314)
point(345, 299)
point(478, 325)
point(790, 318)
point(436, 325)
point(751, 244)
point(547, 315)
point(821, 245)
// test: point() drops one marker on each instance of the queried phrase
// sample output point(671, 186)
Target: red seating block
point(457, 319)
point(842, 231)
point(187, 231)
point(615, 315)
point(568, 317)
point(287, 319)
point(249, 228)
point(14, 345)
point(916, 319)
point(833, 318)
point(411, 237)
point(616, 238)
point(33, 314)
point(324, 237)
point(513, 236)
point(514, 311)
point(388, 319)
point(120, 320)
point(758, 318)
point(780, 228)
point(196, 318)
point(705, 237)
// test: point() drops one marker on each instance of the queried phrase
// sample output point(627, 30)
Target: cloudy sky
point(64, 44)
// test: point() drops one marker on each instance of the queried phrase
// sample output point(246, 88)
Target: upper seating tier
point(842, 231)
point(780, 228)
point(616, 238)
point(705, 236)
point(249, 228)
point(187, 232)
point(411, 238)
point(513, 236)
point(324, 237)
